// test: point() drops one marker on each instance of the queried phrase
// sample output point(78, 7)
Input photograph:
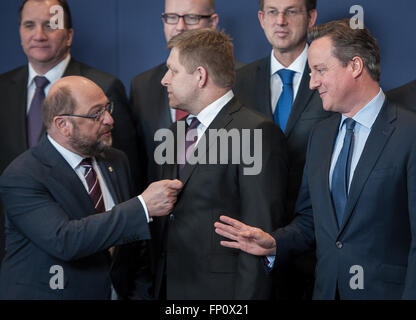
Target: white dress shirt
point(276, 84)
point(52, 75)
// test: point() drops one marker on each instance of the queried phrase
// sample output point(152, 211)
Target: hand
point(161, 196)
point(248, 239)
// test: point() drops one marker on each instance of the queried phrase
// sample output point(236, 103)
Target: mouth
point(281, 34)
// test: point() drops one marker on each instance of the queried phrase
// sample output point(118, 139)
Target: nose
point(165, 81)
point(313, 82)
point(181, 25)
point(40, 33)
point(108, 119)
point(281, 18)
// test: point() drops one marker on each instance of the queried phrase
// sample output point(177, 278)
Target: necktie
point(194, 124)
point(94, 190)
point(284, 104)
point(34, 118)
point(179, 114)
point(341, 173)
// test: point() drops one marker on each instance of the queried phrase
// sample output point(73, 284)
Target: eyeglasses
point(288, 13)
point(98, 116)
point(173, 18)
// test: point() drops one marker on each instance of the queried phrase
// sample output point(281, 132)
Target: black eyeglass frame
point(109, 107)
point(199, 16)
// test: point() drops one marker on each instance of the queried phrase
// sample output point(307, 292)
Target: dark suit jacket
point(379, 225)
point(404, 95)
point(190, 254)
point(13, 90)
point(50, 220)
point(252, 87)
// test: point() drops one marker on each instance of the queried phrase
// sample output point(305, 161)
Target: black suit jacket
point(379, 225)
point(13, 90)
point(404, 95)
point(190, 255)
point(50, 220)
point(253, 88)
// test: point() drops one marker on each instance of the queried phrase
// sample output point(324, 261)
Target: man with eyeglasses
point(23, 89)
point(72, 223)
point(149, 99)
point(278, 86)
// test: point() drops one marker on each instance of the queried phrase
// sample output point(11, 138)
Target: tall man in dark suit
point(357, 203)
point(48, 54)
point(191, 262)
point(261, 85)
point(68, 200)
point(404, 95)
point(149, 100)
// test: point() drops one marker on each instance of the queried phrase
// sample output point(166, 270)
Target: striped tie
point(94, 190)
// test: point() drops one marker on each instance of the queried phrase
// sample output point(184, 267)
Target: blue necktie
point(34, 118)
point(341, 173)
point(284, 105)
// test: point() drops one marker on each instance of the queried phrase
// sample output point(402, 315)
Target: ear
point(202, 76)
point(357, 66)
point(70, 37)
point(62, 125)
point(215, 19)
point(260, 15)
point(312, 14)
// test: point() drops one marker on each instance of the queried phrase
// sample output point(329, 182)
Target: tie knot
point(286, 75)
point(194, 123)
point(87, 162)
point(41, 82)
point(350, 124)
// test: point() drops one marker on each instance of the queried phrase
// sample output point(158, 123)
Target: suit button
point(339, 244)
point(171, 217)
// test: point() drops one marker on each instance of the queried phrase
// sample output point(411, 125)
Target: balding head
point(64, 96)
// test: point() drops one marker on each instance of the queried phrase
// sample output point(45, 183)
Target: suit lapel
point(380, 133)
point(262, 100)
point(111, 178)
point(73, 69)
point(222, 120)
point(17, 108)
point(302, 98)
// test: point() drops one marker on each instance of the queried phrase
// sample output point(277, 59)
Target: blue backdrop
point(125, 37)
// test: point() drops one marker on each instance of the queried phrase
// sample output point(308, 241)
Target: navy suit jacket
point(50, 220)
point(404, 95)
point(378, 231)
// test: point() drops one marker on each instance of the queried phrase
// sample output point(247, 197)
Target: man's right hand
point(161, 196)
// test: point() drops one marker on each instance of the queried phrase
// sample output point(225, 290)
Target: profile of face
point(181, 85)
point(285, 24)
point(88, 136)
point(184, 7)
point(330, 77)
point(43, 45)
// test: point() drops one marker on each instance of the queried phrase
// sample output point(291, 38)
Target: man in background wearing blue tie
point(278, 86)
point(357, 202)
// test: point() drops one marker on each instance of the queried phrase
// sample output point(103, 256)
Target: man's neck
point(286, 58)
point(209, 98)
point(43, 68)
point(363, 98)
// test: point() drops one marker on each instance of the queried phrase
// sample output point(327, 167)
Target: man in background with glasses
point(278, 86)
point(149, 99)
point(71, 224)
point(23, 89)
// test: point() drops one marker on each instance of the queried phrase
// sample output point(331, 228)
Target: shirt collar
point(298, 65)
point(207, 115)
point(368, 115)
point(52, 75)
point(72, 158)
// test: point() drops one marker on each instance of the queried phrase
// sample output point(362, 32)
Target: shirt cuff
point(145, 209)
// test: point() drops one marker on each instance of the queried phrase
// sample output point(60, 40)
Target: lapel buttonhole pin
point(110, 169)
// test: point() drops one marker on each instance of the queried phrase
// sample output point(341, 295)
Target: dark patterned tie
point(94, 189)
point(284, 104)
point(341, 173)
point(34, 118)
point(194, 124)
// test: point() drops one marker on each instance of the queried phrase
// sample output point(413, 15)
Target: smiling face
point(286, 33)
point(44, 47)
point(182, 7)
point(182, 86)
point(333, 81)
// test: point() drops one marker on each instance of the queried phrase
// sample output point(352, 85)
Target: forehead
point(35, 9)
point(320, 51)
point(284, 3)
point(187, 6)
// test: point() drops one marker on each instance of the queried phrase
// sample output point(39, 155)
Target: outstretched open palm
point(246, 238)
